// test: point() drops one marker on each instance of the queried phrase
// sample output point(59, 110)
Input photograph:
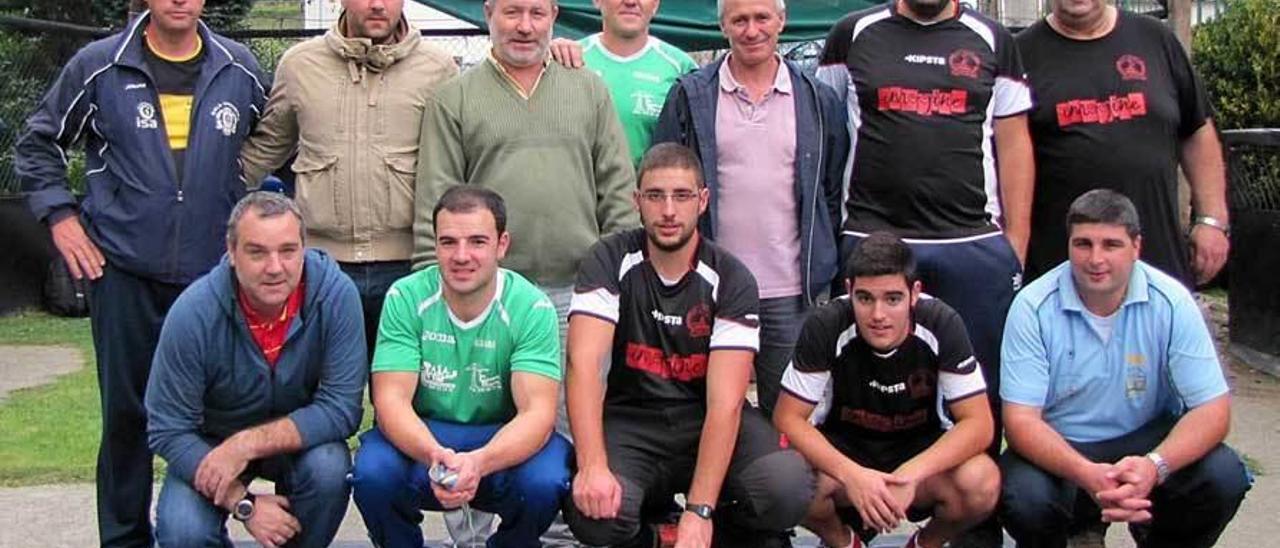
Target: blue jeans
point(780, 322)
point(314, 481)
point(372, 282)
point(391, 489)
point(1190, 509)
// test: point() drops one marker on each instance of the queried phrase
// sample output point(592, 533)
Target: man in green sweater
point(545, 137)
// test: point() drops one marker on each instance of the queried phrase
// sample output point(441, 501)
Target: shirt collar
point(511, 79)
point(1136, 293)
point(781, 82)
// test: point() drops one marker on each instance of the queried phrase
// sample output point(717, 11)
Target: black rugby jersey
point(869, 396)
point(665, 333)
point(1111, 113)
point(922, 100)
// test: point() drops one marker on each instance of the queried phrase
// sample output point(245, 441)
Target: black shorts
point(884, 455)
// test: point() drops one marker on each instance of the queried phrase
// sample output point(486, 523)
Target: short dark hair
point(670, 156)
point(881, 254)
point(468, 198)
point(1107, 207)
point(266, 204)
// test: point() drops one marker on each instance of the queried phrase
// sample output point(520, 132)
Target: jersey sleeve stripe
point(963, 367)
point(1012, 97)
point(809, 387)
point(956, 386)
point(598, 302)
point(979, 28)
point(966, 396)
point(730, 334)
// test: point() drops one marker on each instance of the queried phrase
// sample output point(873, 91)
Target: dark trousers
point(313, 480)
point(653, 453)
point(126, 313)
point(372, 282)
point(1189, 510)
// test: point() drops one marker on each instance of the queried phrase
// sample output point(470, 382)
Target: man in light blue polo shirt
point(1112, 388)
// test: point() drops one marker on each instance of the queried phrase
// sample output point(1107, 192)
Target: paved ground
point(27, 366)
point(63, 515)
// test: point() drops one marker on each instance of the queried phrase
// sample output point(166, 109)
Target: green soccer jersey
point(638, 84)
point(464, 368)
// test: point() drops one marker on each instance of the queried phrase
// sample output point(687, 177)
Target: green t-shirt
point(638, 84)
point(464, 368)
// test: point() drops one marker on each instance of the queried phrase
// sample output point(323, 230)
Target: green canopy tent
point(691, 25)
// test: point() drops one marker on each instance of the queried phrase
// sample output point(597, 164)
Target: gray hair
point(781, 4)
point(1107, 207)
point(266, 204)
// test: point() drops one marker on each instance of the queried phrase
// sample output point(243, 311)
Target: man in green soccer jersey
point(638, 68)
point(465, 375)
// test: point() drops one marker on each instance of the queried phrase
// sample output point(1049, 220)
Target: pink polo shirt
point(756, 216)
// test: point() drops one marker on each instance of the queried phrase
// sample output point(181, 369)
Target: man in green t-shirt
point(638, 68)
point(465, 376)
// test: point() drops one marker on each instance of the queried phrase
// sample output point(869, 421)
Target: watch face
point(244, 510)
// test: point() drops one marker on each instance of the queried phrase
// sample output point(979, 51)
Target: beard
point(927, 9)
point(669, 247)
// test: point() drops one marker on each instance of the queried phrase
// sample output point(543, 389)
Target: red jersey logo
point(943, 102)
point(1131, 67)
point(698, 321)
point(1116, 108)
point(964, 63)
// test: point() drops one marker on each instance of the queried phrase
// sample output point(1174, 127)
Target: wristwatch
point(703, 511)
point(1162, 467)
point(1214, 222)
point(243, 510)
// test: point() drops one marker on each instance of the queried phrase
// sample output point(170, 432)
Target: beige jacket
point(352, 111)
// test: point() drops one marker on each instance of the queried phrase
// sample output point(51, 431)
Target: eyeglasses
point(660, 197)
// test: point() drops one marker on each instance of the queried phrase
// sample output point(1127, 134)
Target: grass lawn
point(49, 434)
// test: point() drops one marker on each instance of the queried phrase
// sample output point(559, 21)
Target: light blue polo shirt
point(1159, 360)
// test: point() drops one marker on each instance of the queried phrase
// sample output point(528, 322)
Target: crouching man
point(1115, 404)
point(259, 372)
point(904, 417)
point(678, 317)
point(466, 372)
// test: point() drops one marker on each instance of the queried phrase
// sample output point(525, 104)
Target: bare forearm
point(1016, 166)
point(965, 440)
point(1196, 433)
point(1041, 445)
point(517, 440)
point(1202, 162)
point(715, 449)
point(273, 438)
point(404, 428)
point(586, 414)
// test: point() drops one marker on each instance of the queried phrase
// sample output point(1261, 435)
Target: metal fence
point(1253, 163)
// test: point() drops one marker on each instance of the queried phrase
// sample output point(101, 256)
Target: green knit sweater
point(559, 159)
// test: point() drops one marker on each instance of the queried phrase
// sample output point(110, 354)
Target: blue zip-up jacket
point(210, 379)
point(144, 218)
point(822, 145)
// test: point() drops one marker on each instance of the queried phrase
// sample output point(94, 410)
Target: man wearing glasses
point(678, 317)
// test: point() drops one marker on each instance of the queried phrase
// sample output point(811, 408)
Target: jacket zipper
point(817, 185)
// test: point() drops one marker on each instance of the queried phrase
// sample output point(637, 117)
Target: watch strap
point(1213, 222)
point(704, 511)
point(1162, 467)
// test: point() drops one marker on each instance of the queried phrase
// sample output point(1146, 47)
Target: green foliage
point(1238, 55)
point(219, 14)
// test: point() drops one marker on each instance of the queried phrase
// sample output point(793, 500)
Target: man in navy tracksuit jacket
point(259, 372)
point(161, 110)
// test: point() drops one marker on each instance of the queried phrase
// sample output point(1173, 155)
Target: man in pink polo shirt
point(773, 143)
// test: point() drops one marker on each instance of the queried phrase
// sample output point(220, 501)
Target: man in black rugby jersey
point(902, 416)
point(678, 317)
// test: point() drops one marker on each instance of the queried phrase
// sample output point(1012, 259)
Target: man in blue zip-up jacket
point(259, 372)
point(773, 144)
point(161, 110)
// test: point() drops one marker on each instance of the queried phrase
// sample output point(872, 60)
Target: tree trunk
point(1180, 22)
point(136, 7)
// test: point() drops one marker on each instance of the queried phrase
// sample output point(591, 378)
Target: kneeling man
point(678, 317)
point(902, 415)
point(1115, 405)
point(259, 372)
point(466, 373)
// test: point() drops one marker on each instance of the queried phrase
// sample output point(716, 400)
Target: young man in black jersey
point(679, 318)
point(903, 416)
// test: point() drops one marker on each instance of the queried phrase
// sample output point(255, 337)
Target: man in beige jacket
point(349, 103)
